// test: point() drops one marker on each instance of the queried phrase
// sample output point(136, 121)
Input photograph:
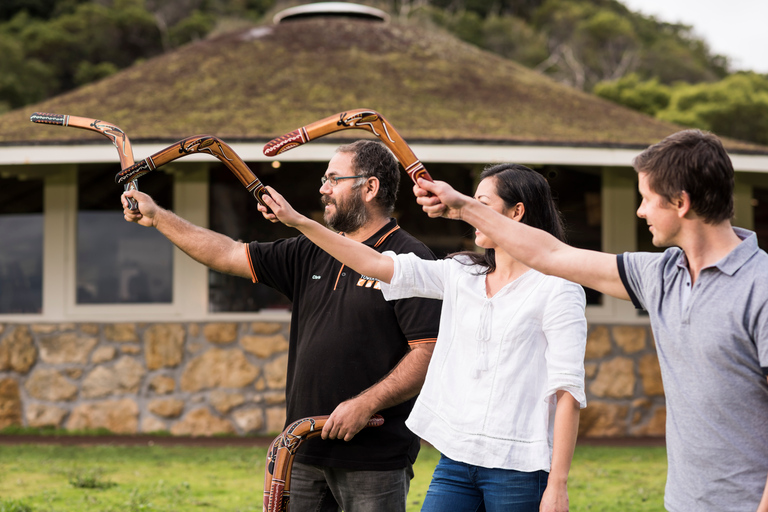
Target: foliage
point(647, 96)
point(14, 506)
point(736, 106)
point(52, 46)
point(90, 479)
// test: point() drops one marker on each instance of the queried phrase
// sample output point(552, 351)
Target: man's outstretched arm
point(400, 384)
point(533, 247)
point(212, 249)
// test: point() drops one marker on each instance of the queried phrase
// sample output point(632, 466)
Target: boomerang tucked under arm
point(277, 474)
point(109, 130)
point(198, 144)
point(364, 119)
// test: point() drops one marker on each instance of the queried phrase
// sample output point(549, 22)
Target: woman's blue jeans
point(463, 487)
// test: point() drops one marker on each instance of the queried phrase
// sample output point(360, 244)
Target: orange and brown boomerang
point(109, 130)
point(198, 144)
point(364, 119)
point(277, 474)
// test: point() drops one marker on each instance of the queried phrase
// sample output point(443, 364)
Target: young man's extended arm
point(533, 247)
point(400, 384)
point(212, 249)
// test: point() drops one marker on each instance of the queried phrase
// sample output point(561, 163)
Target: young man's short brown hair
point(694, 162)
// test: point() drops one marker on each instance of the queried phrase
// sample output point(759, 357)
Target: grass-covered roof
point(262, 82)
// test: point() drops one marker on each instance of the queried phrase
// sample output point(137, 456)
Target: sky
point(737, 29)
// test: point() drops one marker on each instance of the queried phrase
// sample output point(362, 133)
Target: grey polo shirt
point(712, 343)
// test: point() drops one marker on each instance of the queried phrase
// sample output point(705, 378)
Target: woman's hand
point(439, 199)
point(555, 498)
point(282, 210)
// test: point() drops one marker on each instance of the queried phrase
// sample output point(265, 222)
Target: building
point(103, 323)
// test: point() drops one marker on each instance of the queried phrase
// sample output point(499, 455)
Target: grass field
point(53, 478)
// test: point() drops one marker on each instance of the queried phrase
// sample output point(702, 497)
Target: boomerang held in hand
point(280, 455)
point(109, 130)
point(364, 119)
point(198, 144)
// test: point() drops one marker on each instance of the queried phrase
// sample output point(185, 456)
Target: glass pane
point(233, 212)
point(21, 250)
point(577, 191)
point(120, 262)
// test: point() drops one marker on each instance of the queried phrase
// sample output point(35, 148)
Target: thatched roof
point(262, 82)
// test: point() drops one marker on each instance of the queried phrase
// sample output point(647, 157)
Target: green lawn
point(50, 478)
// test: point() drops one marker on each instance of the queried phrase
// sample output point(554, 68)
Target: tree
point(736, 106)
point(648, 96)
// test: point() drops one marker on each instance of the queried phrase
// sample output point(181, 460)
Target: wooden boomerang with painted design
point(109, 130)
point(364, 119)
point(277, 473)
point(199, 144)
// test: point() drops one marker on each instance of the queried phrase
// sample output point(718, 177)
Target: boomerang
point(109, 130)
point(364, 119)
point(277, 473)
point(198, 144)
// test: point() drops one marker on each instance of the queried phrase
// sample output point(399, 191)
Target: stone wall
point(188, 379)
point(206, 379)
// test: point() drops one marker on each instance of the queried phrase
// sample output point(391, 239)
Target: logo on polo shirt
point(315, 276)
point(369, 282)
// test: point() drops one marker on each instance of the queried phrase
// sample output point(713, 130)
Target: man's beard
point(350, 214)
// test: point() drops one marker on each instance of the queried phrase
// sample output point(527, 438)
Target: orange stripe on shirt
point(250, 264)
point(337, 277)
point(378, 243)
point(425, 340)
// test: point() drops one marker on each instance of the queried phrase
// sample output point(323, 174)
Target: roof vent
point(342, 9)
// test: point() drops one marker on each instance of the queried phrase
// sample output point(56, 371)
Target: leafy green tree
point(22, 80)
point(736, 106)
point(648, 96)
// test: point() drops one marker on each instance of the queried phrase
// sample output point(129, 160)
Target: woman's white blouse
point(489, 395)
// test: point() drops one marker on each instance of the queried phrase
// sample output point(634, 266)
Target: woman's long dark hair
point(518, 184)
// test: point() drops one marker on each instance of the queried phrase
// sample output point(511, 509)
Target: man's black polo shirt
point(344, 338)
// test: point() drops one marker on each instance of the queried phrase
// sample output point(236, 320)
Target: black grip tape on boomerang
point(45, 118)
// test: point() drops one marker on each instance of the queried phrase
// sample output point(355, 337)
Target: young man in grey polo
point(707, 297)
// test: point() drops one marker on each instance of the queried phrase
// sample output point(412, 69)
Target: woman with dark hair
point(505, 384)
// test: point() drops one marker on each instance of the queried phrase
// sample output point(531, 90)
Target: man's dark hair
point(372, 158)
point(695, 162)
point(518, 184)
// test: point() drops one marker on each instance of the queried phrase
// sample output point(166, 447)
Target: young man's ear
point(682, 204)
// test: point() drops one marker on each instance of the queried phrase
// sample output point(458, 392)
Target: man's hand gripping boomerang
point(109, 130)
point(280, 455)
point(364, 119)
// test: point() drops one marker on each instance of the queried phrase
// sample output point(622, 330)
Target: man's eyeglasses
point(334, 180)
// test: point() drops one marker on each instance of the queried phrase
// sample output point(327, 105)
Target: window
point(117, 261)
point(234, 212)
point(21, 249)
point(577, 191)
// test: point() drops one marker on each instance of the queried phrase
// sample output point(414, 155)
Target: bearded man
point(352, 353)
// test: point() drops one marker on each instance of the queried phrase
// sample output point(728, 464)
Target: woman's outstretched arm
point(533, 247)
point(353, 254)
